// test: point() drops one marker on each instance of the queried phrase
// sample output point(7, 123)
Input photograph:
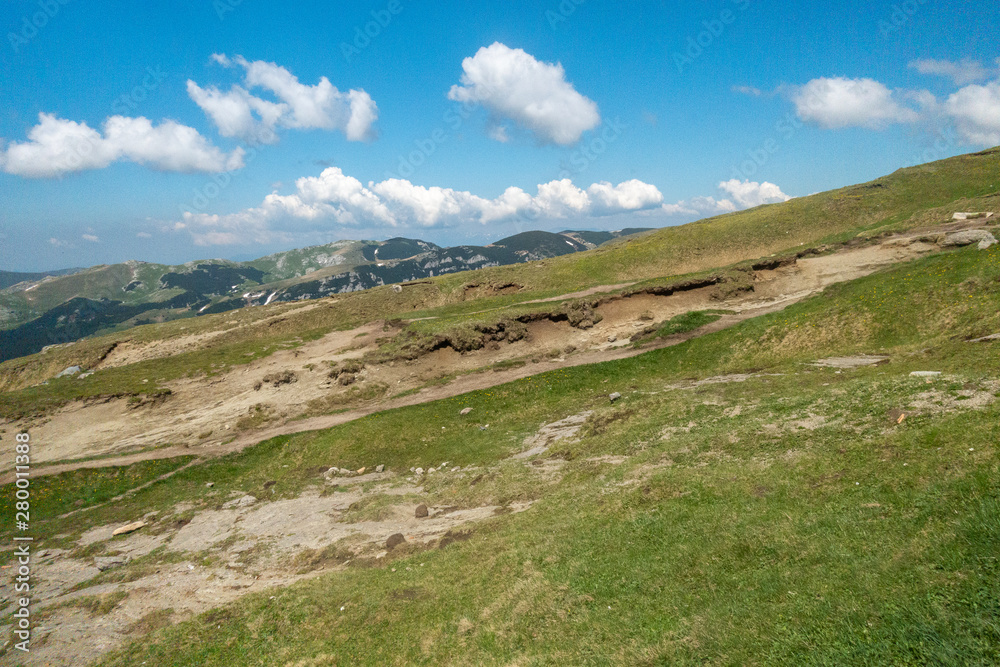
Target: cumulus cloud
point(239, 113)
point(976, 113)
point(57, 146)
point(742, 195)
point(334, 198)
point(511, 84)
point(964, 72)
point(840, 102)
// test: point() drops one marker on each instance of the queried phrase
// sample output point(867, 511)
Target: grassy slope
point(921, 195)
point(743, 541)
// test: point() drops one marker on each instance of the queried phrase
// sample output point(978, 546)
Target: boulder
point(969, 237)
point(71, 370)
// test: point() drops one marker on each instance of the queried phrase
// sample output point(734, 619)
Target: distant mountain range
point(41, 309)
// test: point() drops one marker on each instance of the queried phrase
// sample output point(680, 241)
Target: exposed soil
point(210, 417)
point(220, 555)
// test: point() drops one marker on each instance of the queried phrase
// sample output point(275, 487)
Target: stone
point(71, 370)
point(421, 511)
point(465, 411)
point(129, 528)
point(103, 563)
point(379, 468)
point(986, 339)
point(852, 362)
point(612, 339)
point(443, 465)
point(209, 484)
point(245, 501)
point(361, 471)
point(394, 541)
point(969, 237)
point(615, 396)
point(419, 471)
point(925, 374)
point(985, 244)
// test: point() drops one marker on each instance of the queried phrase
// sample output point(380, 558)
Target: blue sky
point(178, 131)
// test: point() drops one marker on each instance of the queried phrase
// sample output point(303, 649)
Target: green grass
point(54, 495)
point(913, 197)
point(728, 536)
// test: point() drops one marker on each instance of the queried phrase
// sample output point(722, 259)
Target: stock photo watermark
point(756, 158)
point(562, 12)
point(363, 35)
point(900, 16)
point(590, 151)
point(216, 184)
point(712, 30)
point(224, 7)
point(22, 542)
point(31, 25)
point(81, 150)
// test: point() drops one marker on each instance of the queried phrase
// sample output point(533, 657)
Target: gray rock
point(612, 339)
point(245, 501)
point(615, 396)
point(925, 374)
point(969, 237)
point(419, 471)
point(421, 511)
point(465, 411)
point(394, 541)
point(379, 468)
point(103, 563)
point(71, 370)
point(209, 484)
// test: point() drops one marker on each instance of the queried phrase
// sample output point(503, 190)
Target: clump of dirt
point(280, 378)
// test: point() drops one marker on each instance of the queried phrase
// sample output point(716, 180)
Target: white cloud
point(56, 147)
point(58, 243)
point(238, 113)
point(747, 194)
point(90, 237)
point(334, 198)
point(962, 73)
point(840, 102)
point(976, 112)
point(512, 84)
point(144, 235)
point(748, 90)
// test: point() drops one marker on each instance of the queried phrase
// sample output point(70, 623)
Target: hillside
point(49, 310)
point(758, 437)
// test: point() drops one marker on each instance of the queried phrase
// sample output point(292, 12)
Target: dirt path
point(208, 417)
point(460, 385)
